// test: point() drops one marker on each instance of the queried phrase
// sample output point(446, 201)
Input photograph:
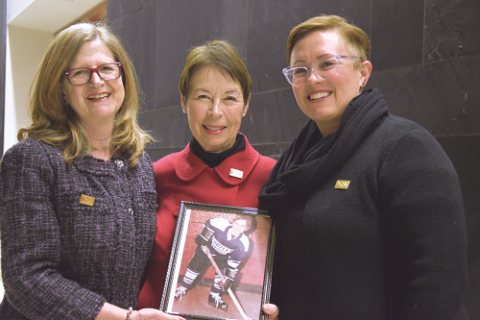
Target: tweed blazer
point(63, 254)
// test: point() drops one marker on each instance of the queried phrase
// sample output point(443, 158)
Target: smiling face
point(325, 101)
point(239, 227)
point(97, 100)
point(215, 107)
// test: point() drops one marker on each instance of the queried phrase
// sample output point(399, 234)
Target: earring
point(244, 115)
point(364, 83)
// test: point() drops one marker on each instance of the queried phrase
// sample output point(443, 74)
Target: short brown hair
point(248, 218)
point(56, 123)
point(221, 55)
point(356, 39)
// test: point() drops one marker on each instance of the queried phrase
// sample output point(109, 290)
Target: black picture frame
point(252, 284)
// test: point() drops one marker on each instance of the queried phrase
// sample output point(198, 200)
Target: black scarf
point(311, 158)
point(214, 159)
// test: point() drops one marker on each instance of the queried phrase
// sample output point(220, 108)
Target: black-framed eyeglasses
point(106, 72)
point(325, 69)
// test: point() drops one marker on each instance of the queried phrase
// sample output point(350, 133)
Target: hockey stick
point(222, 277)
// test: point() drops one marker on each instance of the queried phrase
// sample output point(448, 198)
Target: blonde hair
point(356, 39)
point(219, 54)
point(55, 123)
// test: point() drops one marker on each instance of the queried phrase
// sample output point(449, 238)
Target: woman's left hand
point(271, 310)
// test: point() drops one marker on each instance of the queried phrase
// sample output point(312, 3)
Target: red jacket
point(183, 176)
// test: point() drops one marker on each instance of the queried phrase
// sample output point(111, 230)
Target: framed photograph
point(221, 263)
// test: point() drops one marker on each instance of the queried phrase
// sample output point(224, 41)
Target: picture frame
point(236, 238)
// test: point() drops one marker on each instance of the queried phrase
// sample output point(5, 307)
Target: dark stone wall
point(464, 151)
point(3, 48)
point(425, 54)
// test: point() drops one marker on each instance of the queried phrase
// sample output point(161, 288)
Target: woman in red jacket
point(218, 166)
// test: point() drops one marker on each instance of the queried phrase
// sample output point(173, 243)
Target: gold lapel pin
point(87, 200)
point(342, 184)
point(236, 173)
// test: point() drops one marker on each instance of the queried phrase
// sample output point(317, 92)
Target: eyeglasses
point(325, 69)
point(106, 72)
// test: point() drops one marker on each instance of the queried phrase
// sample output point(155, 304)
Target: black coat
point(390, 246)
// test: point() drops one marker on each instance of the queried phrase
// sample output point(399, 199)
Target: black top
point(389, 246)
point(214, 159)
point(297, 300)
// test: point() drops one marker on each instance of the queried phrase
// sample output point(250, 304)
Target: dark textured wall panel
point(465, 155)
point(442, 97)
point(273, 117)
point(452, 29)
point(397, 33)
point(168, 126)
point(163, 33)
point(270, 25)
point(235, 24)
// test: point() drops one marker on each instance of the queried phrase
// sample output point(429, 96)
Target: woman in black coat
point(370, 220)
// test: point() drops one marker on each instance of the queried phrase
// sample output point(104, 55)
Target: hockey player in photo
point(228, 246)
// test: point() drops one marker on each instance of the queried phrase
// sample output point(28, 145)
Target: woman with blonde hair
point(77, 193)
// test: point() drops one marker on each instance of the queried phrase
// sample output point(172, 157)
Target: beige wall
point(25, 48)
point(31, 24)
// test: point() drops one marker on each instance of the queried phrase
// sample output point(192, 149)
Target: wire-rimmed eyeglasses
point(325, 69)
point(81, 76)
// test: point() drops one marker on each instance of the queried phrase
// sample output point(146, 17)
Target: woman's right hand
point(153, 314)
point(112, 312)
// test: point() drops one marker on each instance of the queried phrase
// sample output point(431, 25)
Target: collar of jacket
point(189, 166)
point(101, 167)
